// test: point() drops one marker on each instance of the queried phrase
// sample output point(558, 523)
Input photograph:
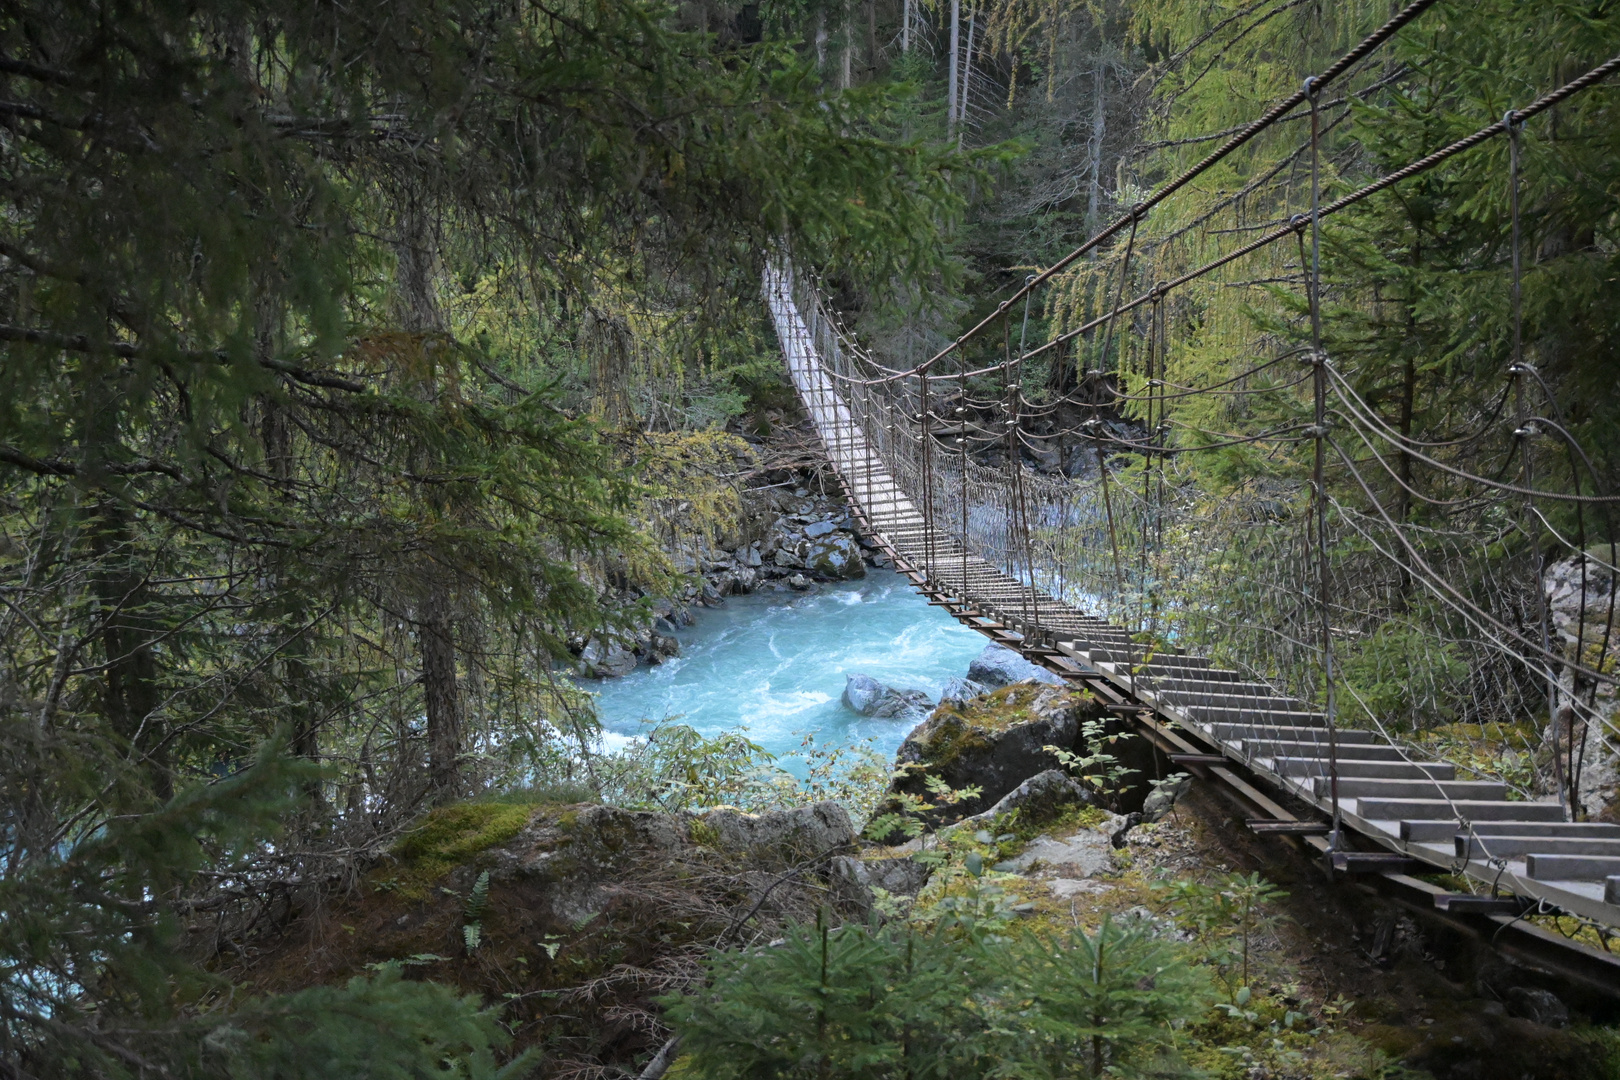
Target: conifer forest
point(384, 387)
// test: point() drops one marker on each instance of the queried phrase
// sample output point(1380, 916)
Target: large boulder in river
point(869, 697)
point(835, 556)
point(994, 742)
point(1000, 666)
point(957, 691)
point(606, 658)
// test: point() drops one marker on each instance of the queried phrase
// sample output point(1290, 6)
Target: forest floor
point(592, 912)
point(1342, 982)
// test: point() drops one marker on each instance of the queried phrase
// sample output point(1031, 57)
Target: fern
point(472, 933)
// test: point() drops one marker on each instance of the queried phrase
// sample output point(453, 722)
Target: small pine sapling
point(1106, 1000)
point(1217, 914)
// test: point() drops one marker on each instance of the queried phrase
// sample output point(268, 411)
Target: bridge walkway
point(1402, 816)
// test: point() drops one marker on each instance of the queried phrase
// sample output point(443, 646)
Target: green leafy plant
point(472, 930)
point(909, 810)
point(1097, 768)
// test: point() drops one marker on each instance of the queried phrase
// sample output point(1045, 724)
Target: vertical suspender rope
point(869, 435)
point(894, 479)
point(961, 439)
point(1018, 472)
point(1523, 432)
point(1060, 530)
point(1034, 616)
point(1108, 503)
point(1163, 432)
point(1319, 489)
point(829, 403)
point(1096, 422)
point(928, 486)
point(1160, 435)
point(1147, 489)
point(1015, 526)
point(834, 419)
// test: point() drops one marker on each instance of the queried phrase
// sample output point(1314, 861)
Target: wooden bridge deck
point(1403, 816)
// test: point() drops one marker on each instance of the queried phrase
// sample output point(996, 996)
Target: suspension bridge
point(1027, 514)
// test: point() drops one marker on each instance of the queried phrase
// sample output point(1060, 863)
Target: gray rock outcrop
point(605, 658)
point(1538, 1006)
point(1039, 799)
point(836, 556)
point(958, 690)
point(994, 742)
point(1580, 610)
point(854, 880)
point(999, 666)
point(1162, 799)
point(803, 834)
point(867, 696)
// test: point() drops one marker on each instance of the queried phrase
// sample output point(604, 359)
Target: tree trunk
point(1408, 409)
point(871, 40)
point(1099, 120)
point(441, 693)
point(419, 312)
point(905, 27)
point(130, 694)
point(956, 50)
point(967, 71)
point(846, 77)
point(1408, 397)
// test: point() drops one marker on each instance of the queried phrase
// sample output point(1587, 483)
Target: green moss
point(1043, 816)
point(450, 836)
point(966, 727)
point(950, 736)
point(705, 834)
point(1000, 710)
point(1067, 820)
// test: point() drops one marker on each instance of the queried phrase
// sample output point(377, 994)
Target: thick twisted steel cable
point(1540, 105)
point(1461, 440)
point(1271, 116)
point(1468, 502)
point(1611, 567)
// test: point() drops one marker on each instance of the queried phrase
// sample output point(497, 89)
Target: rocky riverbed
point(791, 536)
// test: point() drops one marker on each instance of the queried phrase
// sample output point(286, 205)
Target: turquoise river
point(773, 664)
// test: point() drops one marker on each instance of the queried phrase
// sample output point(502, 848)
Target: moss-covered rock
point(450, 837)
point(589, 912)
point(1043, 799)
point(993, 742)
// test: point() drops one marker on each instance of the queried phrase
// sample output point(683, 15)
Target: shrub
point(947, 1000)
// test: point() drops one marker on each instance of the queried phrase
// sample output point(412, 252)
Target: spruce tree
point(292, 533)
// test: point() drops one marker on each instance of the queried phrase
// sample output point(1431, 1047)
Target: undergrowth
point(448, 837)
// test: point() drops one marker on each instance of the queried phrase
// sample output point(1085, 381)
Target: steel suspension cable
point(1271, 116)
point(1541, 105)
